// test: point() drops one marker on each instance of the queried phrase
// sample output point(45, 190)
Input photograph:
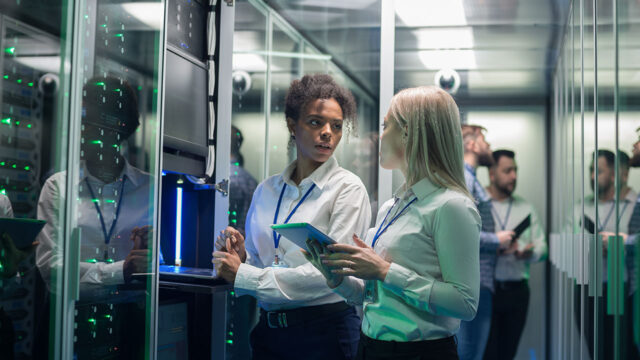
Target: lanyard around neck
point(382, 228)
point(107, 235)
point(606, 220)
point(503, 225)
point(276, 236)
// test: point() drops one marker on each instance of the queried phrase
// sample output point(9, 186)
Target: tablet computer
point(23, 232)
point(521, 227)
point(298, 233)
point(589, 225)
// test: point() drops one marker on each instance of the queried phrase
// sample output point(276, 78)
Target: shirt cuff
point(349, 290)
point(113, 273)
point(247, 279)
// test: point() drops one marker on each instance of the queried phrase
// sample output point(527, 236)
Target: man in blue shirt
point(473, 335)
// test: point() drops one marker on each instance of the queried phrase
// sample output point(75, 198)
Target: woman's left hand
point(359, 261)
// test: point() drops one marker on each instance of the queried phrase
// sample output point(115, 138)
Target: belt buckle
point(280, 320)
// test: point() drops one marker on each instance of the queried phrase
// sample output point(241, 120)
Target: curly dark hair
point(319, 86)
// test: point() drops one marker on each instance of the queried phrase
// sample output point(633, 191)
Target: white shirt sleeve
point(456, 236)
point(5, 207)
point(351, 214)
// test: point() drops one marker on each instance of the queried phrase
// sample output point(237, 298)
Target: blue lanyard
point(381, 230)
point(107, 236)
point(606, 221)
point(276, 236)
point(503, 225)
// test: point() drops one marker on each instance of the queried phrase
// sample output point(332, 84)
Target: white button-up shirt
point(607, 221)
point(434, 278)
point(135, 212)
point(508, 267)
point(338, 206)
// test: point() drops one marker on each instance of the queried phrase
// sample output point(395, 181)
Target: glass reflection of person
point(605, 226)
point(301, 318)
point(241, 184)
point(113, 196)
point(417, 272)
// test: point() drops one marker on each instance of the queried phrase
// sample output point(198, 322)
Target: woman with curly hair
point(300, 317)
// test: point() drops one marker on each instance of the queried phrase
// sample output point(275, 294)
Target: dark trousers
point(440, 349)
point(628, 349)
point(508, 316)
point(333, 336)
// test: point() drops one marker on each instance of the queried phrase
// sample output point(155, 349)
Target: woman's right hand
point(313, 256)
point(236, 240)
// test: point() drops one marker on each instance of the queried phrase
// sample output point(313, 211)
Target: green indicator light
point(86, 16)
point(228, 212)
point(116, 90)
point(17, 122)
point(110, 201)
point(10, 50)
point(19, 81)
point(2, 163)
point(139, 87)
point(235, 173)
point(100, 83)
point(27, 168)
point(115, 145)
point(155, 91)
point(6, 77)
point(230, 333)
point(30, 84)
point(107, 316)
point(233, 293)
point(229, 341)
point(234, 221)
point(119, 35)
point(237, 164)
point(104, 25)
point(6, 121)
point(234, 213)
point(92, 320)
point(98, 142)
point(29, 126)
point(93, 261)
point(109, 261)
point(3, 191)
point(1, 267)
point(14, 166)
point(95, 200)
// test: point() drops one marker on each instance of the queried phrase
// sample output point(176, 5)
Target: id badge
point(370, 291)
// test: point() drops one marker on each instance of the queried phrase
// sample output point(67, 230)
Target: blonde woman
point(417, 274)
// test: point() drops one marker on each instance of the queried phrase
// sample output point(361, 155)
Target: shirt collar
point(128, 170)
point(422, 189)
point(319, 176)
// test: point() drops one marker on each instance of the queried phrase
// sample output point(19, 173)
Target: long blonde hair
point(430, 119)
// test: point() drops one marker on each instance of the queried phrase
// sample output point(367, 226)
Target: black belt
point(374, 345)
point(511, 284)
point(293, 317)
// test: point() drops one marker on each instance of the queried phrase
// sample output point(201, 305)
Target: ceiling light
point(448, 59)
point(445, 38)
point(420, 13)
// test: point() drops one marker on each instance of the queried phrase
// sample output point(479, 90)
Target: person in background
point(241, 188)
point(241, 184)
point(417, 272)
point(300, 317)
point(605, 226)
point(473, 335)
point(511, 297)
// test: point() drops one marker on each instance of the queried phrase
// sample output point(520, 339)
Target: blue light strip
point(179, 226)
